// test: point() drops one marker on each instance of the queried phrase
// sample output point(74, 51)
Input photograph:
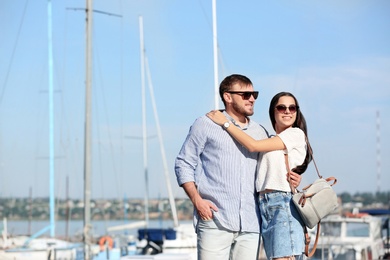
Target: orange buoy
point(106, 241)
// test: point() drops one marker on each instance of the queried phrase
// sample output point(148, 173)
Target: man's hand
point(295, 179)
point(204, 207)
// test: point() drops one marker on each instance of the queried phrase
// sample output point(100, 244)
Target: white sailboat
point(178, 242)
point(180, 238)
point(36, 246)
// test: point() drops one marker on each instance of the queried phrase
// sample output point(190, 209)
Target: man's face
point(240, 103)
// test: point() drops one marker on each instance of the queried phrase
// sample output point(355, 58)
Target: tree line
point(38, 208)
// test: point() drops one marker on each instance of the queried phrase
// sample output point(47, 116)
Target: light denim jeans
point(281, 226)
point(216, 243)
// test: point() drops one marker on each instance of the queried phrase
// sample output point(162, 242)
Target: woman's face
point(285, 113)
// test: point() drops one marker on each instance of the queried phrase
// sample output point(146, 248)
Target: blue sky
point(333, 55)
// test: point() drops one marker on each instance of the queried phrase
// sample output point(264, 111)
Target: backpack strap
point(307, 241)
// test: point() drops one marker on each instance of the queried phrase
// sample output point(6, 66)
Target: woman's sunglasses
point(283, 108)
point(245, 94)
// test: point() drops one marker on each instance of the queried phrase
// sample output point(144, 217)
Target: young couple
point(237, 180)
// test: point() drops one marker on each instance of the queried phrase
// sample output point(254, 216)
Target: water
point(75, 227)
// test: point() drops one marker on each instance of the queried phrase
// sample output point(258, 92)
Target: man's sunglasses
point(283, 108)
point(245, 94)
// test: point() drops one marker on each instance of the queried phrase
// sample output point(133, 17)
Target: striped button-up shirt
point(224, 172)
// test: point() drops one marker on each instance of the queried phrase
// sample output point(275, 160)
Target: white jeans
point(215, 243)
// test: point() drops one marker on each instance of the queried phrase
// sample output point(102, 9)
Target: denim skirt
point(281, 226)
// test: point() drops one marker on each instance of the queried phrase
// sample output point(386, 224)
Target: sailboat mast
point(51, 120)
point(144, 132)
point(162, 149)
point(87, 133)
point(215, 50)
point(378, 152)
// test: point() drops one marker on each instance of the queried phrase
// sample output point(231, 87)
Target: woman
point(281, 228)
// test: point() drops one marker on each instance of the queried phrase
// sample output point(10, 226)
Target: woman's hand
point(295, 179)
point(217, 116)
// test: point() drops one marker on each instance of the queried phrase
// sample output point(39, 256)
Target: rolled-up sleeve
point(188, 159)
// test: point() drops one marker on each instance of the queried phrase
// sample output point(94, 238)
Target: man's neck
point(239, 119)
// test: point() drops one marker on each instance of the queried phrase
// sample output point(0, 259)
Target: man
point(218, 175)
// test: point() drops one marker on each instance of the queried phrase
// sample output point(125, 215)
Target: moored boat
point(352, 236)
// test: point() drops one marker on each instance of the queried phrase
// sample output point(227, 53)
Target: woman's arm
point(251, 144)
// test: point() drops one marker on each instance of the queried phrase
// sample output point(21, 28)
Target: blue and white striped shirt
point(224, 172)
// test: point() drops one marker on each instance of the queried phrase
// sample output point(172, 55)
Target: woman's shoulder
point(293, 130)
point(293, 133)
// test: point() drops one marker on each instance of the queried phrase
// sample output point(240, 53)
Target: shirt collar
point(234, 121)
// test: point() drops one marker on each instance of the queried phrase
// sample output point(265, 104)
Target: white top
point(272, 172)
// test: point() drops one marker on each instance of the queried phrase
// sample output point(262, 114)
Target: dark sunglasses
point(283, 108)
point(245, 94)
